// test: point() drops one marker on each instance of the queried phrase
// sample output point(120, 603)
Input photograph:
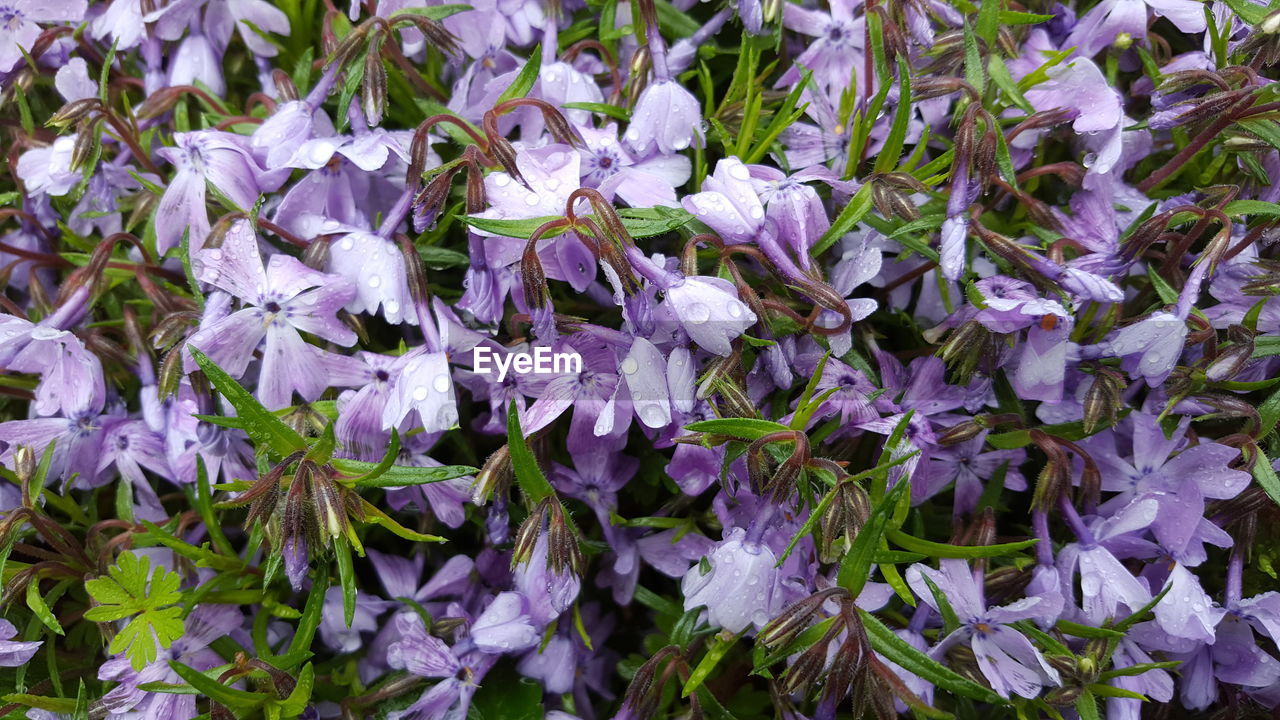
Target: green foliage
point(132, 589)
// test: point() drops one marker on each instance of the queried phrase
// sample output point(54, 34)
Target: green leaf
point(525, 80)
point(131, 589)
point(259, 423)
point(528, 475)
point(1266, 476)
point(1013, 17)
point(506, 696)
point(1269, 414)
point(214, 690)
point(639, 222)
point(1066, 627)
point(859, 205)
point(63, 706)
point(892, 150)
point(346, 578)
point(989, 18)
point(946, 550)
point(716, 650)
point(1087, 706)
point(433, 12)
point(612, 111)
point(36, 602)
point(1240, 208)
point(376, 516)
point(1247, 11)
point(741, 428)
point(895, 649)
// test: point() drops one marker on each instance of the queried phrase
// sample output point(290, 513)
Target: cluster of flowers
point(909, 356)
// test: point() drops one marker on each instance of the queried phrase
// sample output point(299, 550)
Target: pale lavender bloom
point(548, 591)
point(505, 626)
point(130, 446)
point(71, 380)
point(1151, 347)
point(836, 54)
point(196, 61)
point(1179, 485)
point(1105, 584)
point(1187, 611)
point(418, 652)
point(15, 653)
point(741, 587)
point(20, 25)
point(334, 630)
point(47, 170)
point(666, 119)
point(1005, 656)
point(277, 302)
point(375, 267)
point(216, 158)
point(221, 19)
point(422, 384)
point(128, 701)
point(1100, 27)
point(73, 82)
point(1155, 684)
point(608, 166)
point(709, 310)
point(122, 22)
point(1081, 87)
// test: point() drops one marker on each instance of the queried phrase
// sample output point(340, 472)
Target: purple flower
point(21, 25)
point(277, 302)
point(739, 587)
point(15, 653)
point(1005, 656)
point(205, 157)
point(505, 626)
point(666, 120)
point(1103, 24)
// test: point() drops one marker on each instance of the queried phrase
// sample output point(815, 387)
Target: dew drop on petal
point(630, 366)
point(441, 383)
point(501, 180)
point(698, 313)
point(420, 393)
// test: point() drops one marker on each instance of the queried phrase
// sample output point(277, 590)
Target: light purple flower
point(1005, 656)
point(277, 302)
point(739, 588)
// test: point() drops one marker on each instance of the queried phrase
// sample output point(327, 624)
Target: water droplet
point(441, 383)
point(552, 183)
point(756, 212)
point(420, 393)
point(347, 243)
point(392, 307)
point(633, 134)
point(531, 199)
point(739, 171)
point(698, 313)
point(374, 281)
point(630, 366)
point(735, 309)
point(653, 416)
point(680, 144)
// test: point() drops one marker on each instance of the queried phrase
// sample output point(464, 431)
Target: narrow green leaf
point(946, 550)
point(740, 428)
point(716, 650)
point(346, 578)
point(214, 690)
point(528, 475)
point(260, 424)
point(525, 80)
